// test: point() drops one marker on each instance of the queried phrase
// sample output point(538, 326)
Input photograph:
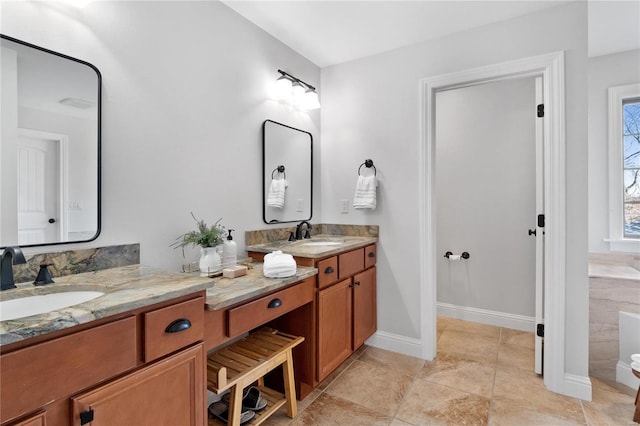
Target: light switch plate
point(344, 206)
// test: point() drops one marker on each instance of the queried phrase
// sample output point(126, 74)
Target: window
point(631, 167)
point(624, 168)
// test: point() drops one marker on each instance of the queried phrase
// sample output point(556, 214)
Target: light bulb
point(283, 88)
point(311, 100)
point(298, 94)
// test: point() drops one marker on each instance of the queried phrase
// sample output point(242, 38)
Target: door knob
point(52, 220)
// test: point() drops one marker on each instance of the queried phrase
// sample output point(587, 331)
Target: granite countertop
point(315, 247)
point(226, 292)
point(130, 287)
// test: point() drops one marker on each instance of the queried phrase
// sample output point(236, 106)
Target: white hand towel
point(279, 265)
point(275, 198)
point(635, 366)
point(635, 357)
point(365, 197)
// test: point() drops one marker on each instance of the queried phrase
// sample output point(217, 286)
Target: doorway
point(42, 188)
point(486, 206)
point(551, 68)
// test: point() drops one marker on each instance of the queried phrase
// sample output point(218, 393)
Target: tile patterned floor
point(483, 375)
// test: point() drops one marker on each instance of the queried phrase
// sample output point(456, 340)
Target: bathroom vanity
point(105, 361)
point(344, 293)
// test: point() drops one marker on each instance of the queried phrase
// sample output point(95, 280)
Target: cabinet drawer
point(188, 320)
point(351, 263)
point(249, 316)
point(327, 272)
point(370, 256)
point(39, 374)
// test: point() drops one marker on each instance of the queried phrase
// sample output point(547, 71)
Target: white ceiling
point(330, 32)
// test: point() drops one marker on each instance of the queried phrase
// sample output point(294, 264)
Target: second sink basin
point(33, 305)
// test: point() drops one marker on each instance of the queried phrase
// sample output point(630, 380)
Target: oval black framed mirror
point(287, 173)
point(50, 147)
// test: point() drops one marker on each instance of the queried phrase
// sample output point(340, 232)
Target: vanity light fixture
point(297, 92)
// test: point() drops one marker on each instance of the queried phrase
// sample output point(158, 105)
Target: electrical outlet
point(344, 206)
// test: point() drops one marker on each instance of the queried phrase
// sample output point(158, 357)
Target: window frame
point(617, 96)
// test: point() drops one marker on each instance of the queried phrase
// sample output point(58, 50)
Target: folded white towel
point(635, 366)
point(635, 357)
point(279, 265)
point(275, 198)
point(365, 197)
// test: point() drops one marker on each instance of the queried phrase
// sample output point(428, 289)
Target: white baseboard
point(577, 386)
point(483, 316)
point(625, 376)
point(396, 343)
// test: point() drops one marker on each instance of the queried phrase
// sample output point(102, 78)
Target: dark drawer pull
point(275, 303)
point(357, 283)
point(178, 325)
point(371, 254)
point(328, 270)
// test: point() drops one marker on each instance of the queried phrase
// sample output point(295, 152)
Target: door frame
point(63, 174)
point(551, 68)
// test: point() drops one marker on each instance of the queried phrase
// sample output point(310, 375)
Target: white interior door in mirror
point(291, 150)
point(42, 187)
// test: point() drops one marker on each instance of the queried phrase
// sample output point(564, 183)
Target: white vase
point(209, 260)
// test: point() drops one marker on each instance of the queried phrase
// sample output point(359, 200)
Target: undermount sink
point(322, 243)
point(33, 305)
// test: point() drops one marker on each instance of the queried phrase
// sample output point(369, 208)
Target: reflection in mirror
point(286, 173)
point(49, 147)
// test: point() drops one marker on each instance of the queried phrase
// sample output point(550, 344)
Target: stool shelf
point(247, 361)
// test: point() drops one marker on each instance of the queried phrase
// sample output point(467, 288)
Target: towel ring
point(368, 164)
point(279, 169)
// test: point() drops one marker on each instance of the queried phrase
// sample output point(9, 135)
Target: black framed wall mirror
point(49, 146)
point(287, 173)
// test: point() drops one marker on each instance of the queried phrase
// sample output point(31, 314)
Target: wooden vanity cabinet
point(120, 368)
point(334, 327)
point(364, 306)
point(169, 392)
point(346, 308)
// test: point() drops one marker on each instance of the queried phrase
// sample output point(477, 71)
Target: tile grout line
point(495, 373)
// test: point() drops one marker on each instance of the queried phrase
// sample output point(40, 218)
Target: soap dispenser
point(229, 252)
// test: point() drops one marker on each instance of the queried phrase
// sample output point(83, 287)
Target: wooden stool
point(636, 415)
point(247, 361)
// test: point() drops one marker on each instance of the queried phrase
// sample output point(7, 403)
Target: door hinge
point(540, 330)
point(86, 417)
point(541, 221)
point(540, 110)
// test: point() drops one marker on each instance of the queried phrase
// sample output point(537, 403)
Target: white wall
point(186, 87)
point(486, 196)
point(604, 71)
point(371, 110)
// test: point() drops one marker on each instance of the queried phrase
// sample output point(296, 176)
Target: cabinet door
point(168, 392)
point(334, 327)
point(39, 419)
point(364, 306)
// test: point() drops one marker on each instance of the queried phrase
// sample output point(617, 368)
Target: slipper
point(220, 411)
point(251, 399)
point(254, 400)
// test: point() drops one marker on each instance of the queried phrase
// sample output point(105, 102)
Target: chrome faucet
point(10, 256)
point(299, 230)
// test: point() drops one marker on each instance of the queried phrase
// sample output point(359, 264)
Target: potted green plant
point(208, 238)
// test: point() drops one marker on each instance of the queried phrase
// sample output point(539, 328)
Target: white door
point(489, 172)
point(539, 227)
point(39, 192)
